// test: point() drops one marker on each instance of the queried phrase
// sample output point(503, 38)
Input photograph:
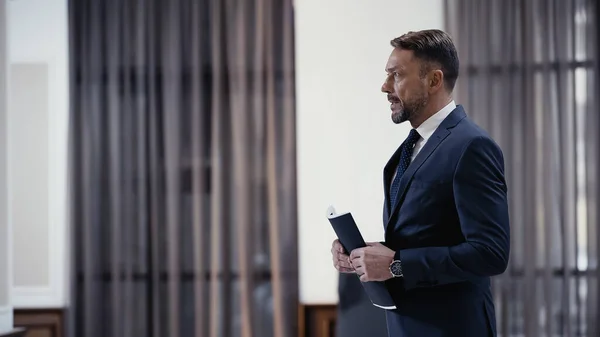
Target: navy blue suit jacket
point(450, 229)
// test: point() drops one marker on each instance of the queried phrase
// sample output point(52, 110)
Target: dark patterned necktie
point(405, 158)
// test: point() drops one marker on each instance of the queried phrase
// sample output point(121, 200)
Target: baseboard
point(33, 297)
point(6, 318)
point(317, 320)
point(40, 322)
point(314, 320)
point(14, 333)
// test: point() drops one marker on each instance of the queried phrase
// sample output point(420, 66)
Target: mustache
point(392, 98)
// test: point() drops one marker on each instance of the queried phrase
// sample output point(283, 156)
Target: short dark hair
point(432, 45)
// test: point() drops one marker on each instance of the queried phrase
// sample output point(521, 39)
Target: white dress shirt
point(428, 127)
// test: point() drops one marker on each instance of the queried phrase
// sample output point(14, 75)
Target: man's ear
point(436, 80)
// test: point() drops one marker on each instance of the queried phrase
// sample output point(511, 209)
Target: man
point(445, 215)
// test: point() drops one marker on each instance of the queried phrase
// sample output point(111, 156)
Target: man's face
point(405, 87)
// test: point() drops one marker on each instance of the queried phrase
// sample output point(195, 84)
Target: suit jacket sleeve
point(480, 195)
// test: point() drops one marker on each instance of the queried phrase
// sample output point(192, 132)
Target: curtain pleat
point(182, 150)
point(199, 165)
point(528, 76)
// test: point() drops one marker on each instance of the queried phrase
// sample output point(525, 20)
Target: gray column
point(6, 311)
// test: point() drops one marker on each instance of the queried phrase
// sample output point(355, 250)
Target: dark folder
point(349, 235)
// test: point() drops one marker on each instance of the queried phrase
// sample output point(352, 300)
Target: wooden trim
point(40, 322)
point(301, 320)
point(317, 320)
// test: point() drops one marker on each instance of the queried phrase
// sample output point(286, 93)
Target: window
point(529, 77)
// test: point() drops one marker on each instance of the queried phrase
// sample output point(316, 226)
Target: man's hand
point(341, 261)
point(372, 263)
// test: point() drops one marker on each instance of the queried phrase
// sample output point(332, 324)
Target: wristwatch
point(396, 268)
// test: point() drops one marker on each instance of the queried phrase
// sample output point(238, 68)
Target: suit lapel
point(388, 173)
point(438, 136)
point(434, 141)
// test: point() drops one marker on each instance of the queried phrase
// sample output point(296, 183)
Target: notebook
point(350, 237)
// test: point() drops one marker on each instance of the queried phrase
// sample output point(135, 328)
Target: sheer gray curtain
point(528, 75)
point(183, 173)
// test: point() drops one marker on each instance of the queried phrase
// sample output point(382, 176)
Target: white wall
point(345, 133)
point(6, 312)
point(37, 150)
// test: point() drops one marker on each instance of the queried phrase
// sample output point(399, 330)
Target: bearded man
point(445, 215)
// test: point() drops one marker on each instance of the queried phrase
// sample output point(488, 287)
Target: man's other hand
point(372, 263)
point(341, 261)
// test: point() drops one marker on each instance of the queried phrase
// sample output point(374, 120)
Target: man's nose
point(385, 87)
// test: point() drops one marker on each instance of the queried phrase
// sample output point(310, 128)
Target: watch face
point(396, 268)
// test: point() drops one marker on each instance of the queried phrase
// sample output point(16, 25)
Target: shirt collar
point(428, 127)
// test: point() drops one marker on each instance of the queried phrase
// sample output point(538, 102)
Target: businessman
point(445, 215)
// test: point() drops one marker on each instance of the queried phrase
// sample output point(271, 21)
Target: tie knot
point(413, 137)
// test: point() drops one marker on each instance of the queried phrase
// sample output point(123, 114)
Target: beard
point(409, 110)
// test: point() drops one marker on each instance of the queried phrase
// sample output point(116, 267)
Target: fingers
point(374, 244)
point(338, 254)
point(344, 262)
point(343, 266)
point(357, 253)
point(335, 250)
point(362, 273)
point(341, 261)
point(357, 257)
point(337, 246)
